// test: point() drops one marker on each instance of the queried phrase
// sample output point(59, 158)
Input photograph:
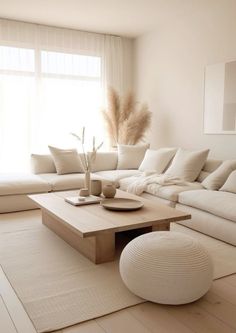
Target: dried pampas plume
point(125, 124)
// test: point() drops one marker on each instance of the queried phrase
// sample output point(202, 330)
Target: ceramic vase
point(87, 181)
point(96, 187)
point(109, 191)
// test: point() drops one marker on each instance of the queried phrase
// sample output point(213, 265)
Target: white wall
point(214, 98)
point(169, 74)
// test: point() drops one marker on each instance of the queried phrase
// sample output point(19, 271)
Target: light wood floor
point(214, 313)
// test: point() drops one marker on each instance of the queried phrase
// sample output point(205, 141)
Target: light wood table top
point(92, 230)
point(90, 220)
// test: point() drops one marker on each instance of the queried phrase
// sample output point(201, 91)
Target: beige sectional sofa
point(213, 212)
point(14, 188)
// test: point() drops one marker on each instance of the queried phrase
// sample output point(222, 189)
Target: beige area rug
point(59, 287)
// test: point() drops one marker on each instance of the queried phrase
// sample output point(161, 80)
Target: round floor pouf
point(166, 267)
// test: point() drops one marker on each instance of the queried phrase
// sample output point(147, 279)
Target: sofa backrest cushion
point(187, 165)
point(42, 164)
point(131, 156)
point(157, 160)
point(66, 160)
point(210, 166)
point(217, 178)
point(104, 161)
point(230, 184)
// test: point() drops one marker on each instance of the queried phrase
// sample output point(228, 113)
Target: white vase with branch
point(126, 124)
point(87, 159)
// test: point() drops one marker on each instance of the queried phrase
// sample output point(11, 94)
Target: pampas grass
point(112, 115)
point(128, 107)
point(125, 124)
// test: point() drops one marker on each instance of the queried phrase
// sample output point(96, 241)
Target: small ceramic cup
point(109, 191)
point(96, 187)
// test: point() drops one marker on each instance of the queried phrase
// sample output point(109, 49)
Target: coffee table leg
point(161, 227)
point(104, 249)
point(99, 248)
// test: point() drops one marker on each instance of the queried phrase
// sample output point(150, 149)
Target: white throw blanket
point(140, 184)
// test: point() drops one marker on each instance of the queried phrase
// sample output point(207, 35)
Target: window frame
point(37, 73)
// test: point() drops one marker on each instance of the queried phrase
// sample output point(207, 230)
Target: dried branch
point(85, 159)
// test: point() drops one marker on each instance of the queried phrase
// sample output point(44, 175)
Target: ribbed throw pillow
point(217, 178)
point(66, 160)
point(157, 160)
point(187, 165)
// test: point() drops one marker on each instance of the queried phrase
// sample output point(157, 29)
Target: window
point(71, 64)
point(45, 95)
point(16, 59)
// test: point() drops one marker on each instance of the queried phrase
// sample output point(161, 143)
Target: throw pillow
point(187, 165)
point(210, 166)
point(130, 156)
point(66, 160)
point(104, 161)
point(230, 184)
point(157, 160)
point(217, 178)
point(42, 164)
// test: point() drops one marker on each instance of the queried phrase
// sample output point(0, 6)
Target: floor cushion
point(166, 267)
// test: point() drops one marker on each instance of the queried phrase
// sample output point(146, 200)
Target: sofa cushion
point(217, 178)
point(22, 184)
point(157, 160)
point(116, 175)
point(218, 203)
point(131, 156)
point(209, 224)
point(64, 182)
point(187, 165)
point(16, 203)
point(66, 160)
point(230, 184)
point(169, 192)
point(104, 161)
point(42, 164)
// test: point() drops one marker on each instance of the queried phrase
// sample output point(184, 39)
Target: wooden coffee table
point(91, 229)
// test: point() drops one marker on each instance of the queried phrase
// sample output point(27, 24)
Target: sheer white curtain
point(52, 82)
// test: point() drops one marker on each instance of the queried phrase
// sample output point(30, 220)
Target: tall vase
point(87, 181)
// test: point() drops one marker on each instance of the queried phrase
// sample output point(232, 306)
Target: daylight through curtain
point(52, 82)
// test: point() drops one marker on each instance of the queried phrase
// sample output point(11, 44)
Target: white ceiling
point(119, 17)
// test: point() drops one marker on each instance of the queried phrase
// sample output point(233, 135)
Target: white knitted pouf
point(166, 267)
